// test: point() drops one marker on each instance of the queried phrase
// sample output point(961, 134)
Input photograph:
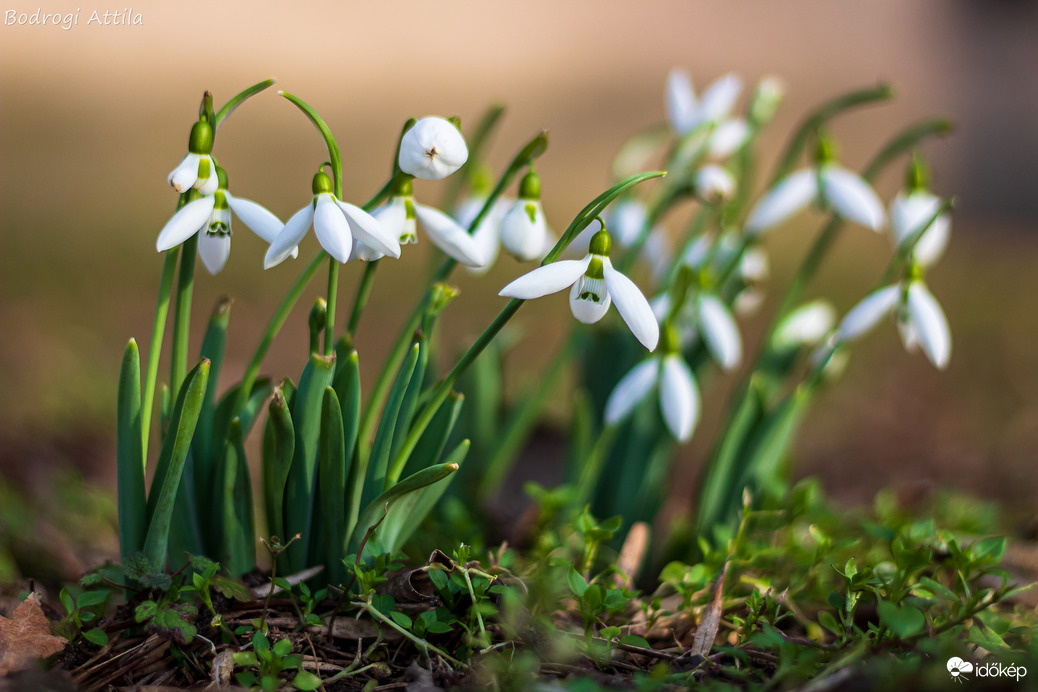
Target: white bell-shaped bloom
point(678, 393)
point(921, 322)
point(686, 112)
point(336, 225)
point(524, 232)
point(432, 149)
point(714, 184)
point(210, 217)
point(197, 169)
point(805, 326)
point(846, 192)
point(400, 217)
point(719, 331)
point(595, 285)
point(909, 213)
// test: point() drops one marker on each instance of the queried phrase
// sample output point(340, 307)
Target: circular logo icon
point(958, 668)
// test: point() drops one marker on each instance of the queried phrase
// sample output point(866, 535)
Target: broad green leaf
point(433, 441)
point(904, 621)
point(379, 459)
point(206, 450)
point(278, 449)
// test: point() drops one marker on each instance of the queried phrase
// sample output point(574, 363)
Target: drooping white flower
point(524, 231)
point(667, 372)
point(210, 217)
point(828, 184)
point(400, 217)
point(714, 184)
point(921, 322)
point(488, 234)
point(432, 149)
point(197, 169)
point(807, 325)
point(686, 112)
point(336, 225)
point(705, 317)
point(595, 285)
point(909, 213)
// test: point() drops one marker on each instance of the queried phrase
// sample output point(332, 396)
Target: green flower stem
point(155, 348)
point(533, 149)
point(905, 141)
point(276, 322)
point(592, 470)
point(582, 220)
point(521, 421)
point(819, 117)
point(420, 643)
point(182, 313)
point(360, 301)
point(334, 157)
point(239, 99)
point(329, 319)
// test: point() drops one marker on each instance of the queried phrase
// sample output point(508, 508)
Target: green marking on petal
point(409, 208)
point(205, 168)
point(531, 211)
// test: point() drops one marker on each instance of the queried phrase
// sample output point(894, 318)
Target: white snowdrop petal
point(523, 230)
point(719, 98)
point(680, 101)
point(392, 216)
point(632, 305)
point(332, 229)
point(867, 313)
point(214, 250)
point(211, 184)
point(449, 236)
point(290, 236)
point(488, 239)
point(930, 324)
point(542, 281)
point(185, 174)
point(728, 138)
point(790, 195)
point(432, 149)
point(370, 230)
point(631, 390)
point(261, 221)
point(851, 197)
point(909, 213)
point(587, 310)
point(807, 324)
point(679, 397)
point(754, 265)
point(660, 306)
point(185, 223)
point(714, 184)
point(719, 331)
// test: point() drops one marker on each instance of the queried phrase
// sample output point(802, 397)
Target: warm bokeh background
point(92, 120)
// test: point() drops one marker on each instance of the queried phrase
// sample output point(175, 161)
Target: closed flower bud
point(432, 149)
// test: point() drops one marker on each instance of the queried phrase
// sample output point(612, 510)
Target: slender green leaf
point(394, 496)
point(431, 445)
point(279, 446)
point(239, 530)
point(133, 520)
point(379, 460)
point(299, 495)
point(171, 462)
point(330, 512)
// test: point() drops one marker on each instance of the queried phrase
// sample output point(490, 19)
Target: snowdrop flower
point(921, 322)
point(336, 224)
point(432, 149)
point(766, 99)
point(210, 217)
point(400, 216)
point(595, 285)
point(197, 169)
point(707, 317)
point(686, 113)
point(914, 208)
point(524, 232)
point(805, 326)
point(678, 393)
point(828, 184)
point(714, 184)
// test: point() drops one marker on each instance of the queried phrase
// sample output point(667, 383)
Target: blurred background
point(93, 118)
